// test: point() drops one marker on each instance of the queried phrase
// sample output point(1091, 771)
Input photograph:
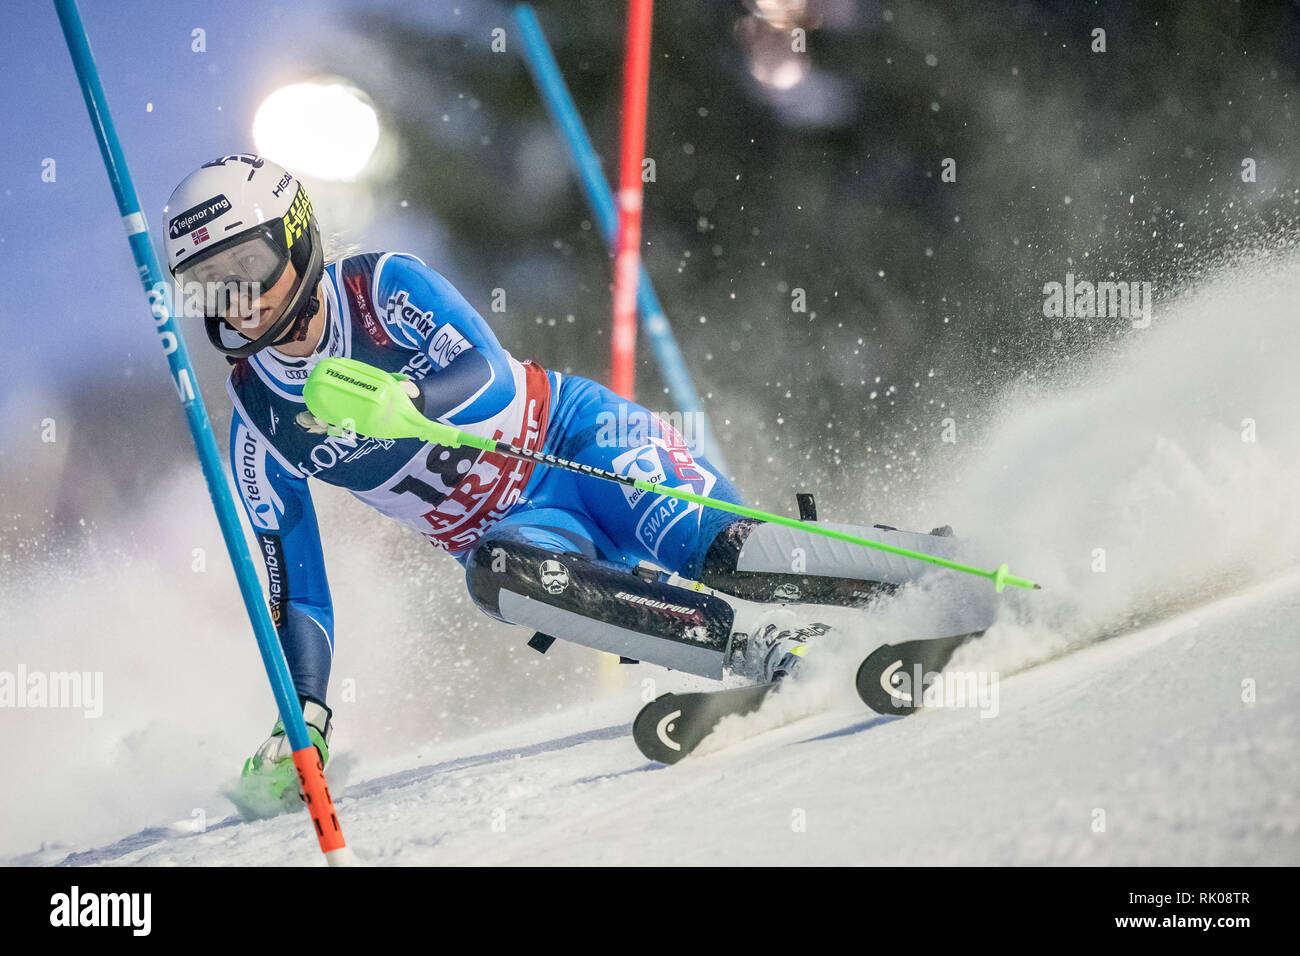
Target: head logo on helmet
point(298, 219)
point(242, 219)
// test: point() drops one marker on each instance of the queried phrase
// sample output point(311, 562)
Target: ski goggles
point(235, 273)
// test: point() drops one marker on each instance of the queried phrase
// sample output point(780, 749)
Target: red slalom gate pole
point(627, 257)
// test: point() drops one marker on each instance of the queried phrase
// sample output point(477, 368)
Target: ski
point(672, 725)
point(887, 676)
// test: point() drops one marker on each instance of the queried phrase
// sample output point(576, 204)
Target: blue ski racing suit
point(523, 532)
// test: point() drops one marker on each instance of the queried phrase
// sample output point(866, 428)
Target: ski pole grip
point(441, 434)
point(361, 398)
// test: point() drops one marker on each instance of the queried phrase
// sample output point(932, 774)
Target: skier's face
point(267, 307)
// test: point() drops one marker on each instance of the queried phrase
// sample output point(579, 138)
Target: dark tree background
point(1123, 164)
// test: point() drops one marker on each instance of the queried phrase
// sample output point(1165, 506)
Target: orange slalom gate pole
point(316, 794)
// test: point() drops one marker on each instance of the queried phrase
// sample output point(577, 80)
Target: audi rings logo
point(555, 577)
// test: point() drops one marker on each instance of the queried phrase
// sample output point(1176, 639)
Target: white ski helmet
point(243, 219)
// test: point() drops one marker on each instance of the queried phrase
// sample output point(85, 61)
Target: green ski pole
point(360, 398)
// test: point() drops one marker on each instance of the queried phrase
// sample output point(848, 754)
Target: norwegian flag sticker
point(199, 235)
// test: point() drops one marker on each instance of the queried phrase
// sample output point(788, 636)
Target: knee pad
point(568, 596)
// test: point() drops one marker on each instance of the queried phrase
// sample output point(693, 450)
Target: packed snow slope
point(1137, 750)
point(1145, 710)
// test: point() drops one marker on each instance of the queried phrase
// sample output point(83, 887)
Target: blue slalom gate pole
point(555, 95)
point(306, 759)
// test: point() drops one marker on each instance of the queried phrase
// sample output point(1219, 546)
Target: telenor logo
point(196, 216)
point(103, 909)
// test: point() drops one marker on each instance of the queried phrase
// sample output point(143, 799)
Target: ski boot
point(268, 784)
point(773, 648)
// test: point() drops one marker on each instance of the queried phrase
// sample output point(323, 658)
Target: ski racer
point(650, 577)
